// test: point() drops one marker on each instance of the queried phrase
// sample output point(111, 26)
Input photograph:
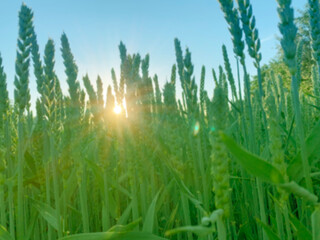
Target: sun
point(117, 109)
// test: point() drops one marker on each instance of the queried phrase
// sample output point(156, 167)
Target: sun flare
point(117, 109)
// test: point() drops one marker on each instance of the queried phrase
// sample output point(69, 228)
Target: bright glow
point(117, 109)
point(196, 128)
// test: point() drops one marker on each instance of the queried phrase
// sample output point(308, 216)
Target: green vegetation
point(147, 164)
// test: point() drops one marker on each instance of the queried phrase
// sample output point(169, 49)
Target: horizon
point(95, 31)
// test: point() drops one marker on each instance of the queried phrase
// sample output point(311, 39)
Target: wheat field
point(136, 161)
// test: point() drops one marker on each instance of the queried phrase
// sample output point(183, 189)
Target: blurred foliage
point(277, 65)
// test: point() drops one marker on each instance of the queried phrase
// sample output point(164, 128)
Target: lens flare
point(117, 109)
point(196, 128)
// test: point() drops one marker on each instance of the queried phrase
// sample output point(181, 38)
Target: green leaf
point(313, 152)
point(30, 162)
point(150, 216)
point(293, 187)
point(315, 220)
point(47, 212)
point(125, 215)
point(172, 217)
point(213, 218)
point(4, 235)
point(245, 232)
point(199, 230)
point(208, 225)
point(184, 189)
point(69, 187)
point(299, 228)
point(113, 236)
point(268, 231)
point(95, 169)
point(125, 228)
point(252, 163)
point(30, 227)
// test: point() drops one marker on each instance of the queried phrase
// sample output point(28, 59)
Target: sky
point(95, 29)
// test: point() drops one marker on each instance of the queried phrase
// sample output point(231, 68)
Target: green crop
point(134, 160)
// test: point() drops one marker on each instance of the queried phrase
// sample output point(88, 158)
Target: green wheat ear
point(21, 81)
point(288, 30)
point(99, 91)
point(109, 100)
point(123, 69)
point(157, 89)
point(71, 71)
point(300, 47)
point(48, 88)
point(90, 90)
point(202, 81)
point(146, 87)
point(232, 18)
point(228, 69)
point(179, 59)
point(4, 97)
point(250, 30)
point(37, 64)
point(219, 156)
point(314, 14)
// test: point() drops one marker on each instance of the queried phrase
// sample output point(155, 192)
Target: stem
point(106, 215)
point(287, 222)
point(279, 221)
point(83, 199)
point(55, 183)
point(20, 212)
point(10, 174)
point(46, 149)
point(222, 233)
point(186, 213)
point(261, 95)
point(300, 132)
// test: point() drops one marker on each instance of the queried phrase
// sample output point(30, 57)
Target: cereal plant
point(134, 160)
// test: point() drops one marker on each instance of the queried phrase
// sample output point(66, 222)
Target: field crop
point(145, 163)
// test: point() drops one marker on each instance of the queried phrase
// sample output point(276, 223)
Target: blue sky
point(95, 29)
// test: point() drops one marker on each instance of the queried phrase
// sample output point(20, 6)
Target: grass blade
point(252, 163)
point(294, 188)
point(269, 231)
point(313, 152)
point(315, 220)
point(300, 229)
point(199, 230)
point(150, 216)
point(47, 212)
point(113, 236)
point(4, 234)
